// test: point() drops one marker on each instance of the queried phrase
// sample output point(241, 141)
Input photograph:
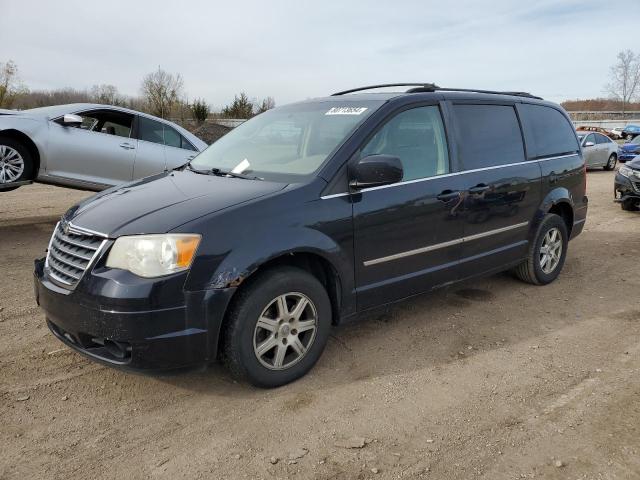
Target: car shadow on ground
point(428, 331)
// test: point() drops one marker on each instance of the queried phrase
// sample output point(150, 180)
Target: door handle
point(448, 195)
point(127, 146)
point(480, 188)
point(191, 157)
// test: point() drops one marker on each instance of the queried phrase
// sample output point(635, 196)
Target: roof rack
point(432, 87)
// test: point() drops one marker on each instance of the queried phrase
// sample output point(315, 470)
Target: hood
point(630, 147)
point(634, 163)
point(163, 202)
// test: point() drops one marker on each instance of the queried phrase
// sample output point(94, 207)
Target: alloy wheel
point(285, 331)
point(611, 164)
point(11, 164)
point(551, 250)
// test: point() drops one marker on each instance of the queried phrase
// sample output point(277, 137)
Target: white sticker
point(241, 167)
point(346, 110)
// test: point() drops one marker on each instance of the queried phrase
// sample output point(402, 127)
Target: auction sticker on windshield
point(346, 110)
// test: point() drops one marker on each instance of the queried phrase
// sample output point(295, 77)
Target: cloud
point(295, 50)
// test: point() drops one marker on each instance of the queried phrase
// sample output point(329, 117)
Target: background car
point(616, 133)
point(601, 130)
point(598, 150)
point(629, 150)
point(89, 146)
point(630, 131)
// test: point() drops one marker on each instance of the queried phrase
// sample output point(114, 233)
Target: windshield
point(286, 143)
point(636, 140)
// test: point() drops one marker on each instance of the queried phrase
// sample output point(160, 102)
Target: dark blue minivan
point(310, 215)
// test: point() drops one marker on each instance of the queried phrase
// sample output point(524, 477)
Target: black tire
point(28, 169)
point(628, 136)
point(611, 162)
point(240, 326)
point(629, 205)
point(530, 270)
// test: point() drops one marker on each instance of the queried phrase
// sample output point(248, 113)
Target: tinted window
point(417, 137)
point(487, 135)
point(150, 130)
point(547, 131)
point(590, 139)
point(602, 139)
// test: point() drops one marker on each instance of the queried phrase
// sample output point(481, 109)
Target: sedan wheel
point(611, 163)
point(11, 164)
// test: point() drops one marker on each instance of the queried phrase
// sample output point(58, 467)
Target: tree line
point(161, 94)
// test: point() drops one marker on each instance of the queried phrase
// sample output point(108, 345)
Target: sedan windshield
point(286, 143)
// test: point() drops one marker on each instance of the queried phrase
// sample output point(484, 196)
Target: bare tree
point(10, 85)
point(625, 78)
point(267, 104)
point(107, 94)
point(162, 91)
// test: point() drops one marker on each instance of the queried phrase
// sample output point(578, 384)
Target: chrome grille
point(71, 252)
point(636, 185)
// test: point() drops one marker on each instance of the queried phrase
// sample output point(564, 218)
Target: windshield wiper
point(222, 173)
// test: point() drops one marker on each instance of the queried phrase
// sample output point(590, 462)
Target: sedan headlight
point(153, 255)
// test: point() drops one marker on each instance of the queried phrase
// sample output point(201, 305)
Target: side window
point(602, 139)
point(590, 139)
point(171, 137)
point(417, 137)
point(187, 145)
point(487, 135)
point(150, 130)
point(547, 131)
point(110, 122)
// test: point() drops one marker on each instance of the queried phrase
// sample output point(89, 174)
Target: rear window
point(547, 131)
point(487, 135)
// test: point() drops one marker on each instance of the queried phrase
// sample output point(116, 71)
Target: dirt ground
point(493, 379)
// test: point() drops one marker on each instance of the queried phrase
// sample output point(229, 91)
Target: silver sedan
point(598, 150)
point(89, 146)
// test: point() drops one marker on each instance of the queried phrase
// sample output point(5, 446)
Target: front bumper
point(625, 189)
point(129, 328)
point(626, 156)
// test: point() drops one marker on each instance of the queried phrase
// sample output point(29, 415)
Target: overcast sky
point(293, 50)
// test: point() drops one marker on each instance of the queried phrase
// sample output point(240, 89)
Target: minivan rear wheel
point(277, 327)
point(547, 252)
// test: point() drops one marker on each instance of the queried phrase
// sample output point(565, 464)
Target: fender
point(557, 196)
point(247, 239)
point(28, 130)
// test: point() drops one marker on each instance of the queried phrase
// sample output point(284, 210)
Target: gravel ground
point(492, 379)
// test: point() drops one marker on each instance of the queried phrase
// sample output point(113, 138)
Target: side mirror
point(70, 120)
point(589, 144)
point(375, 170)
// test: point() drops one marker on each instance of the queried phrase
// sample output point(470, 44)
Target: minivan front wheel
point(277, 327)
point(547, 252)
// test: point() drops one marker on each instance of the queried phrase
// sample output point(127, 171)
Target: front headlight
point(153, 255)
point(625, 171)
